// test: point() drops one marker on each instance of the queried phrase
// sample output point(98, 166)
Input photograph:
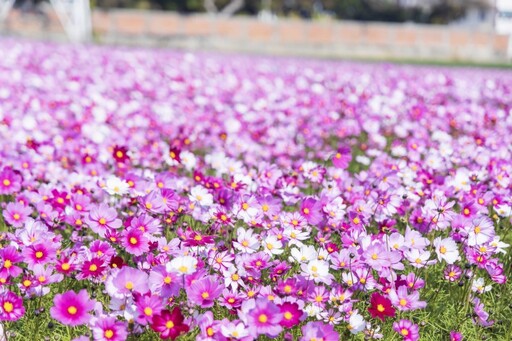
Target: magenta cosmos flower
point(11, 307)
point(292, 314)
point(204, 292)
point(72, 309)
point(169, 324)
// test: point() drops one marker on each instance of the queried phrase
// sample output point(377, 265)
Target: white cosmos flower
point(318, 270)
point(446, 249)
point(183, 265)
point(188, 159)
point(116, 186)
point(356, 323)
point(479, 286)
point(200, 195)
point(306, 253)
point(246, 241)
point(499, 245)
point(234, 331)
point(273, 246)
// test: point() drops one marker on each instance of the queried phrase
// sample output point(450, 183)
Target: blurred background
point(420, 30)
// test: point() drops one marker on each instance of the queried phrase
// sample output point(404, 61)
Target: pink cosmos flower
point(342, 157)
point(16, 214)
point(205, 291)
point(481, 317)
point(319, 331)
point(103, 217)
point(72, 309)
point(408, 330)
point(10, 182)
point(455, 336)
point(39, 254)
point(163, 283)
point(9, 256)
point(147, 307)
point(404, 301)
point(130, 280)
point(262, 317)
point(11, 307)
point(109, 329)
point(135, 242)
point(311, 210)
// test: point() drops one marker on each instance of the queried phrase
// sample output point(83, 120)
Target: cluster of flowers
point(235, 197)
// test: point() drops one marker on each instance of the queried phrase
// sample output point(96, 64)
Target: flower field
point(148, 194)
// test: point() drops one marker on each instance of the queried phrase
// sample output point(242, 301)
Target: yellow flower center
point(133, 240)
point(403, 302)
point(16, 216)
point(167, 280)
point(93, 267)
point(65, 266)
point(210, 331)
point(129, 285)
point(404, 332)
point(169, 325)
point(288, 315)
point(477, 229)
point(263, 318)
point(39, 254)
point(205, 295)
point(72, 310)
point(442, 250)
point(8, 307)
point(148, 311)
point(374, 256)
point(109, 333)
point(6, 182)
point(102, 221)
point(7, 263)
